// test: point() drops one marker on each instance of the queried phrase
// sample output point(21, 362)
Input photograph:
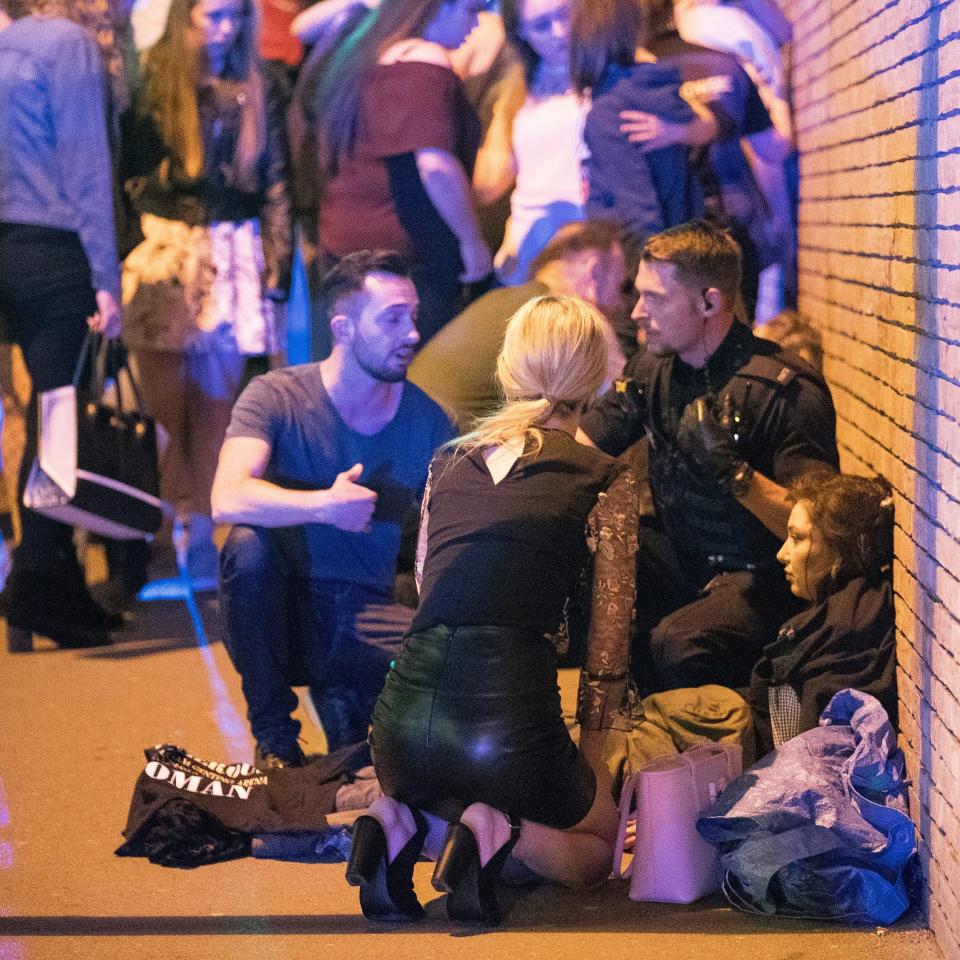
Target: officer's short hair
point(577, 237)
point(346, 279)
point(704, 255)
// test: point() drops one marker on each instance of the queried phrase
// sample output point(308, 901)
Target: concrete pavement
point(74, 724)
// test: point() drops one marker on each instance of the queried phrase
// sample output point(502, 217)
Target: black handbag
point(96, 464)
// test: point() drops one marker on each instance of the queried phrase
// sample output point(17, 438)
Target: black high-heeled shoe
point(386, 888)
point(470, 888)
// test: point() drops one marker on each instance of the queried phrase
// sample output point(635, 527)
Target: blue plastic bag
point(819, 828)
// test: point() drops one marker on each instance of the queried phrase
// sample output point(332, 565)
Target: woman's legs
point(386, 844)
point(581, 856)
point(192, 396)
point(163, 382)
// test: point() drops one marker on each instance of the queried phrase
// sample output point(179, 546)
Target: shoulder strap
point(778, 371)
point(769, 369)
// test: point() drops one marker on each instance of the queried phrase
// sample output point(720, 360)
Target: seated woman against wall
point(644, 186)
point(837, 556)
point(468, 737)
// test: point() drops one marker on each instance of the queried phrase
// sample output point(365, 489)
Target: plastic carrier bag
point(819, 828)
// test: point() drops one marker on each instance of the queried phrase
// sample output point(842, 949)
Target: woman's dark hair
point(604, 33)
point(510, 11)
point(336, 103)
point(659, 16)
point(854, 515)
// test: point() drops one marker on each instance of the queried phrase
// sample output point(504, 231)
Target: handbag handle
point(626, 797)
point(107, 358)
point(118, 362)
point(95, 352)
point(89, 351)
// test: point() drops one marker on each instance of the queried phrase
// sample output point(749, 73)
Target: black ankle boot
point(56, 606)
point(386, 888)
point(470, 888)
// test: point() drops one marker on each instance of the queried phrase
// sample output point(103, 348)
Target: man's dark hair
point(573, 238)
point(346, 279)
point(704, 255)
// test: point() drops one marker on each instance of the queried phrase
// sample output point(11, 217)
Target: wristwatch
point(739, 483)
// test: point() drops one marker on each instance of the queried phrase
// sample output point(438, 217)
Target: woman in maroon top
point(397, 141)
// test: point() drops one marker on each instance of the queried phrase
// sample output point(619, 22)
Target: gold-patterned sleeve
point(607, 697)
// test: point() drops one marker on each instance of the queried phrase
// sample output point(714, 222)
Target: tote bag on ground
point(671, 862)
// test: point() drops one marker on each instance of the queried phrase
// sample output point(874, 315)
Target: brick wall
point(877, 112)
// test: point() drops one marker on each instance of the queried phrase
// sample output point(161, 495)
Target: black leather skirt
point(472, 714)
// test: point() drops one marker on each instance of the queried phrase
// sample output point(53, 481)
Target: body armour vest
point(710, 531)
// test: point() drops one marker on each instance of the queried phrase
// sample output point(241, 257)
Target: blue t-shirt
point(310, 444)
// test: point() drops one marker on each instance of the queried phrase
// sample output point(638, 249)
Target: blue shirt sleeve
point(78, 104)
point(256, 413)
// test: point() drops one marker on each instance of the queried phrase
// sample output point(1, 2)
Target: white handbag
point(671, 862)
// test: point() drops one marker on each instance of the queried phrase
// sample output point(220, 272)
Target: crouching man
point(320, 464)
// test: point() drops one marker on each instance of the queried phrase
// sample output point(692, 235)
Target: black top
point(509, 554)
point(788, 427)
point(158, 184)
point(846, 640)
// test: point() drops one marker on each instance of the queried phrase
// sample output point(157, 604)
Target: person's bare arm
point(241, 495)
point(449, 190)
point(496, 166)
point(767, 501)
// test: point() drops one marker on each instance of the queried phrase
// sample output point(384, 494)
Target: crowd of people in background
point(562, 217)
point(218, 132)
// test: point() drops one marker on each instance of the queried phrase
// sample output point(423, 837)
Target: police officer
point(731, 420)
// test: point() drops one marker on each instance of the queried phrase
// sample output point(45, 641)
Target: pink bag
point(671, 862)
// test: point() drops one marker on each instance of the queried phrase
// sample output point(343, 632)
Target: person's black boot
point(58, 606)
point(266, 758)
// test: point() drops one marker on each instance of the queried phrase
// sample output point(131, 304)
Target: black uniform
point(786, 427)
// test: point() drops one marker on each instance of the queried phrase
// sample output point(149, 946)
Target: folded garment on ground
point(186, 812)
point(819, 828)
point(305, 846)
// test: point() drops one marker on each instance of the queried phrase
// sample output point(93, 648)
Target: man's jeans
point(284, 629)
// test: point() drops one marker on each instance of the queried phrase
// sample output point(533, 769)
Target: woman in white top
point(535, 136)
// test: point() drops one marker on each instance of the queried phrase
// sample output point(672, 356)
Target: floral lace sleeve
point(607, 697)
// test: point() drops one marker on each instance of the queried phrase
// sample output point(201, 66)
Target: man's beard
point(379, 371)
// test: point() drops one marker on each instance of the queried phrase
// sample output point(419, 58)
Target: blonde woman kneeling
point(468, 738)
